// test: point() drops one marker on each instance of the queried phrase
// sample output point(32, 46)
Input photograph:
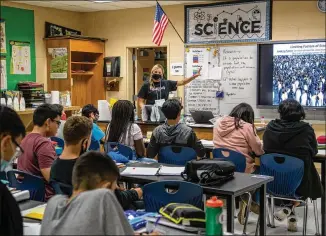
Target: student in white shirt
point(123, 130)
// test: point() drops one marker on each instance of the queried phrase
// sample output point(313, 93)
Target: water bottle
point(135, 115)
point(262, 120)
point(214, 209)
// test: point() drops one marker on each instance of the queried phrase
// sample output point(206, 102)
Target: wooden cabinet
point(85, 69)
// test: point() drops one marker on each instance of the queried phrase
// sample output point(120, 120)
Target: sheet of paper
point(167, 170)
point(215, 73)
point(207, 143)
point(35, 213)
point(32, 228)
point(3, 74)
point(140, 171)
point(21, 59)
point(3, 45)
point(197, 58)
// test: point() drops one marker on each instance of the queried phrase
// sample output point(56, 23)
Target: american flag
point(160, 24)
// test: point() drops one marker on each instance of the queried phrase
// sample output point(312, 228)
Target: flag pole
point(171, 23)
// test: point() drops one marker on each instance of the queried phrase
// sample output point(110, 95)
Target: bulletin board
point(231, 70)
point(19, 27)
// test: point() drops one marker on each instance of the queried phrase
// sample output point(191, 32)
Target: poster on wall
point(3, 74)
point(53, 30)
point(248, 21)
point(59, 63)
point(197, 58)
point(20, 58)
point(3, 44)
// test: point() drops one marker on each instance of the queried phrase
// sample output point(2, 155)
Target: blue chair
point(156, 194)
point(124, 150)
point(288, 172)
point(176, 155)
point(61, 188)
point(59, 141)
point(24, 181)
point(237, 158)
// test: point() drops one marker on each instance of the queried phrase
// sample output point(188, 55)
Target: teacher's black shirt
point(161, 90)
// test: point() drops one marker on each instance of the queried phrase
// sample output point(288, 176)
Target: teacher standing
point(157, 88)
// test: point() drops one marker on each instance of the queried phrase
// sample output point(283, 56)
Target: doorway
point(143, 59)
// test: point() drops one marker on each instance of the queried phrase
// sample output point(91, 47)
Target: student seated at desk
point(92, 209)
point(91, 112)
point(77, 131)
point(291, 136)
point(39, 152)
point(173, 132)
point(12, 131)
point(63, 119)
point(237, 132)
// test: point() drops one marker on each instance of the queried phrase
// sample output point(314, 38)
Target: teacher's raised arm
point(158, 89)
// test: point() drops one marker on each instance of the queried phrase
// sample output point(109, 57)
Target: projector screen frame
point(310, 108)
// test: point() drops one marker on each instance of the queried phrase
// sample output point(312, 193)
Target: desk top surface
point(240, 184)
point(31, 110)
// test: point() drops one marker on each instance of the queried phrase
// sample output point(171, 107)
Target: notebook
point(140, 171)
point(35, 213)
point(166, 170)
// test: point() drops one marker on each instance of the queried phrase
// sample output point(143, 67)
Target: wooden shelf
point(85, 73)
point(83, 63)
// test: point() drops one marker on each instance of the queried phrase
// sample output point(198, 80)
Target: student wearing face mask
point(91, 112)
point(158, 89)
point(12, 131)
point(77, 135)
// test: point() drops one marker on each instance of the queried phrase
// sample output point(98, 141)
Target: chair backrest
point(24, 181)
point(95, 145)
point(287, 172)
point(237, 158)
point(123, 149)
point(60, 142)
point(176, 155)
point(61, 188)
point(156, 194)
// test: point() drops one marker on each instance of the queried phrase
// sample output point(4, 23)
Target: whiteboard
point(238, 80)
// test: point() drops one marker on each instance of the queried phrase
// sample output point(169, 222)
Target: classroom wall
point(133, 28)
point(291, 20)
point(41, 14)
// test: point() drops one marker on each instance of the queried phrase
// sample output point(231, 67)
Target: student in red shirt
point(39, 151)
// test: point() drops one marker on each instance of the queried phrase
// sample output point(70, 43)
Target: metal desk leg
point(323, 198)
point(262, 212)
point(230, 214)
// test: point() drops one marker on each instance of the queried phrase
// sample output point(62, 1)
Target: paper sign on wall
point(3, 45)
point(20, 58)
point(177, 68)
point(3, 74)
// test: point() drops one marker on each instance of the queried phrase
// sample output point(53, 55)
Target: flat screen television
point(292, 69)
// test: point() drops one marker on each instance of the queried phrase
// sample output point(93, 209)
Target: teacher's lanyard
point(160, 92)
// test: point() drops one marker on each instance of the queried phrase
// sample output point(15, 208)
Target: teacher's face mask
point(156, 77)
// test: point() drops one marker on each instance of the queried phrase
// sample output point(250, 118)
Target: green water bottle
point(214, 209)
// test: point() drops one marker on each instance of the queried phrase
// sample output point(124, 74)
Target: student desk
point(240, 184)
point(27, 115)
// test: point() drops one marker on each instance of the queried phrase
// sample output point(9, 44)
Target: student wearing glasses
point(12, 131)
point(39, 151)
point(91, 112)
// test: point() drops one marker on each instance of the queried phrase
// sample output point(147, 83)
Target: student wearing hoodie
point(172, 132)
point(291, 136)
point(237, 132)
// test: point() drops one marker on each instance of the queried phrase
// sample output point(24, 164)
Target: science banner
point(246, 21)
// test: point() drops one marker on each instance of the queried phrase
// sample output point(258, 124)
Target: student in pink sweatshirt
point(237, 132)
